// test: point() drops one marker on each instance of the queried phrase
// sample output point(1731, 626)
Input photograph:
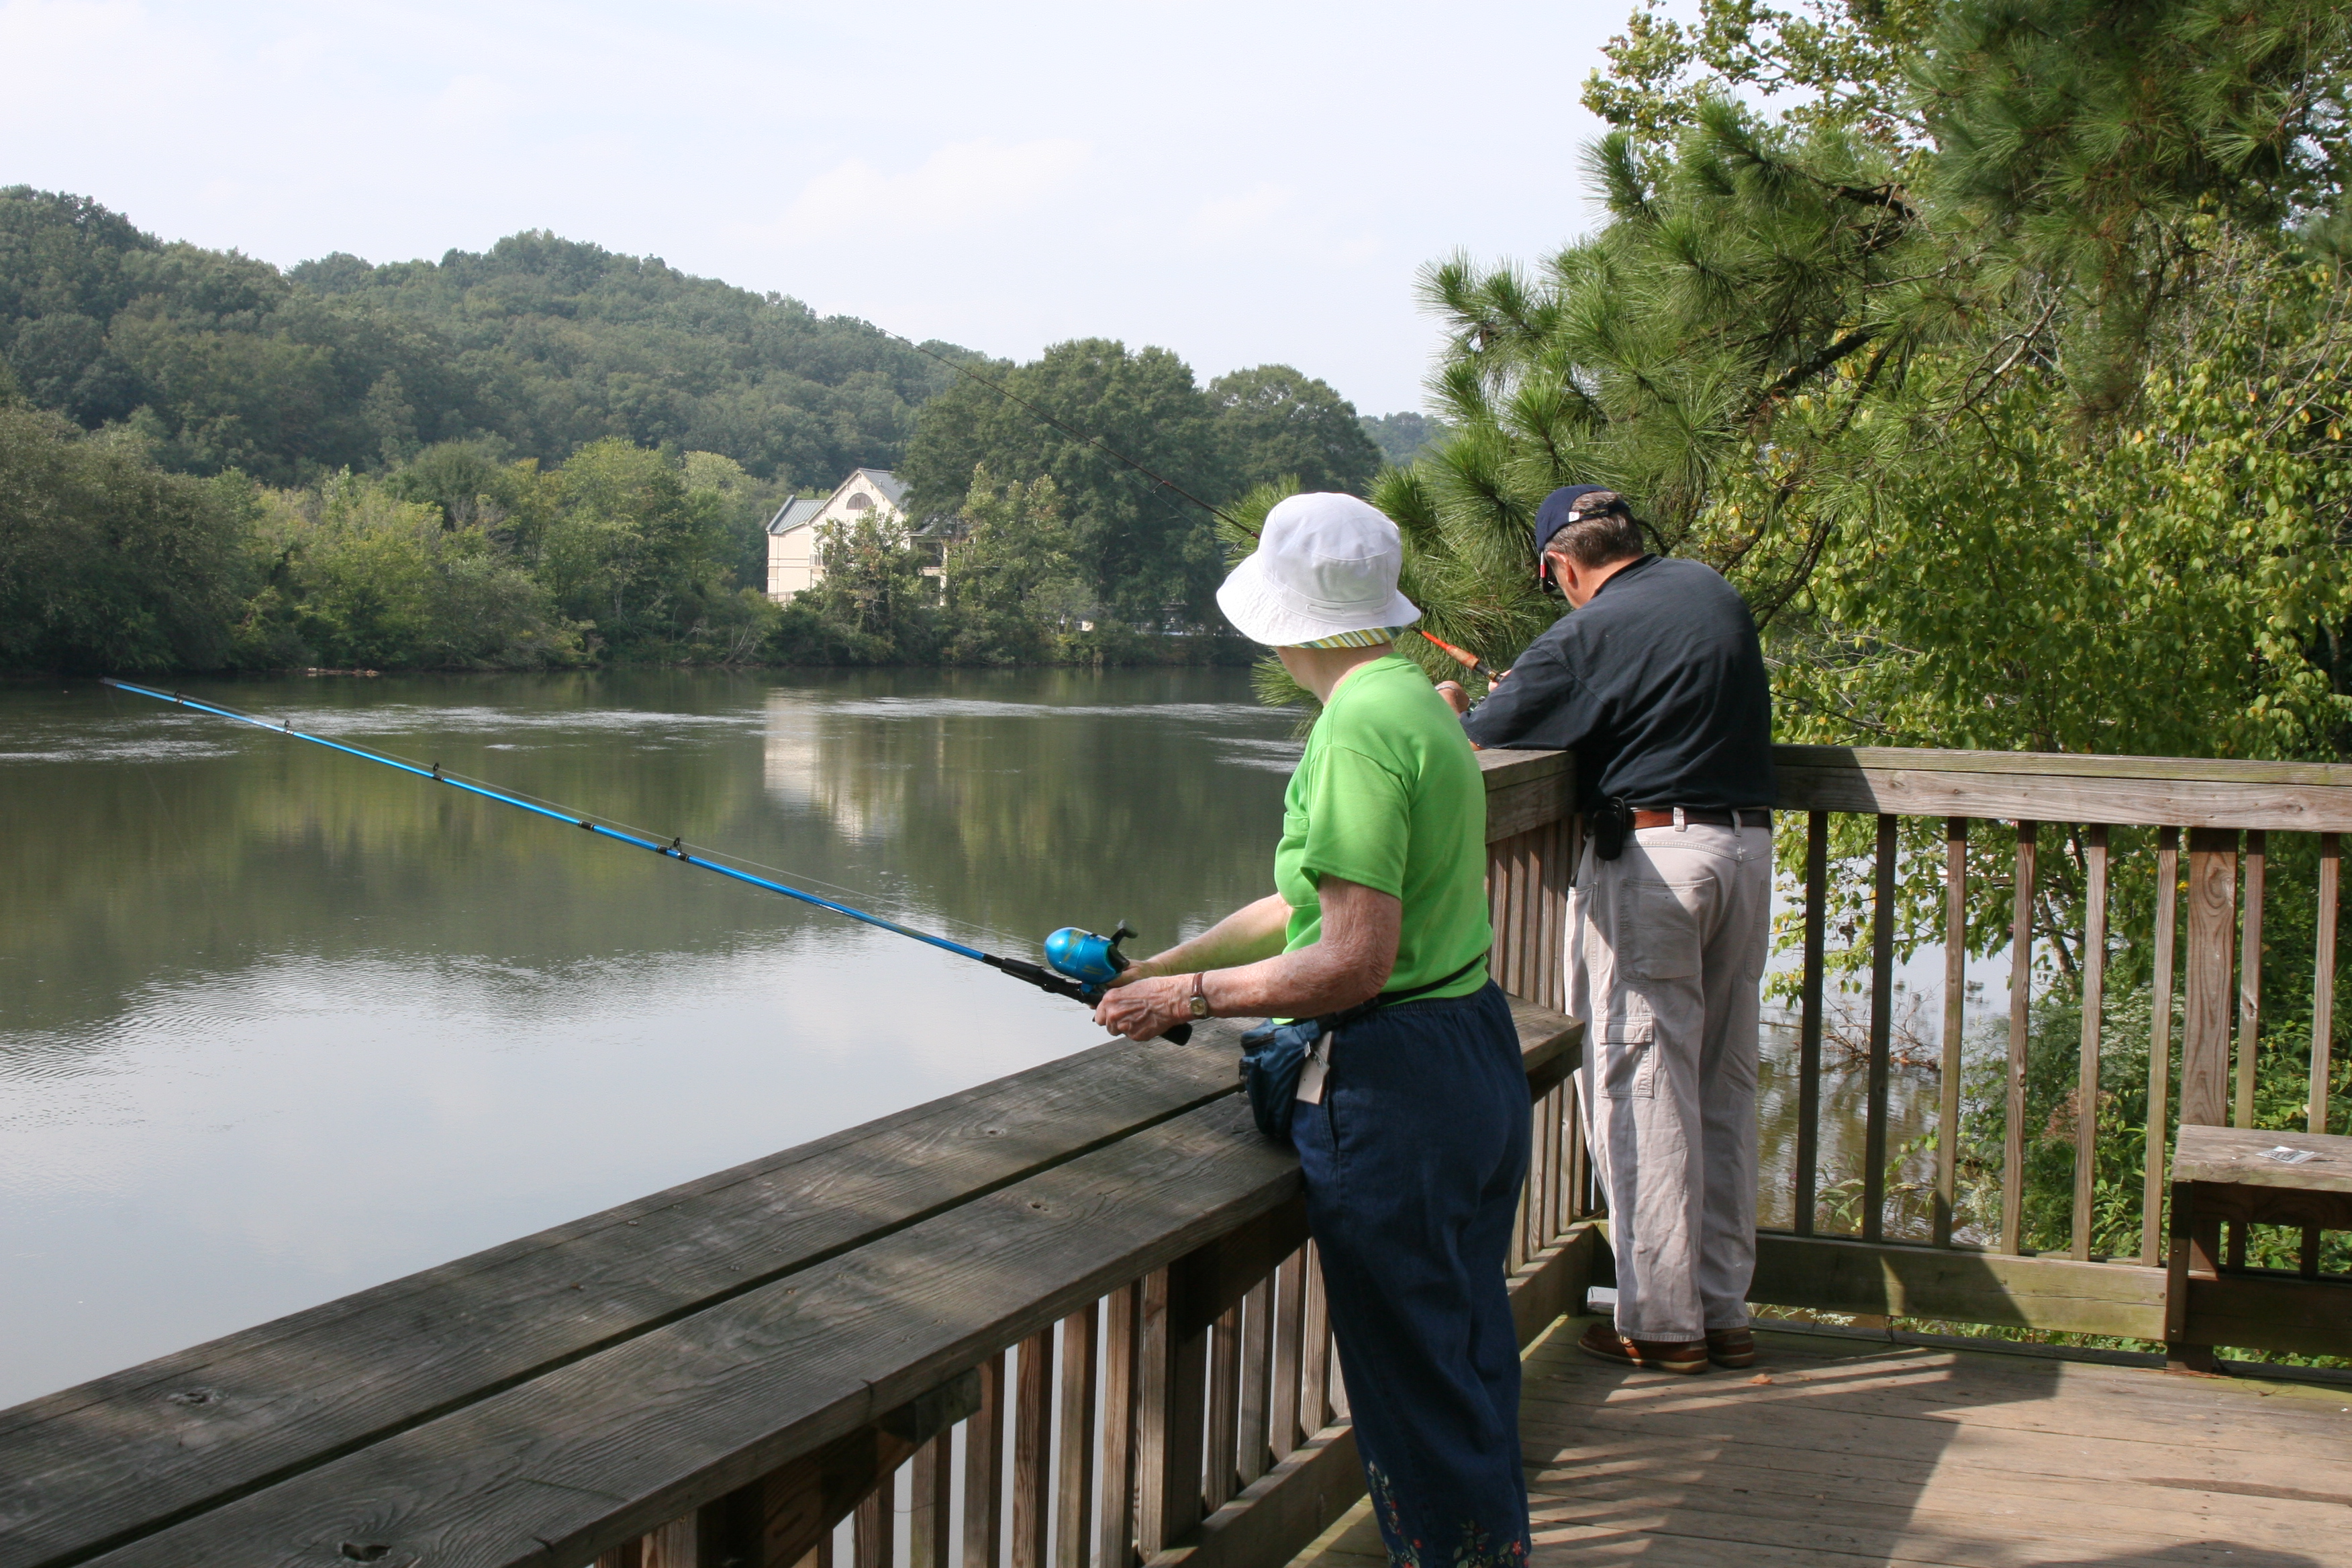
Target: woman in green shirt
point(1412, 1122)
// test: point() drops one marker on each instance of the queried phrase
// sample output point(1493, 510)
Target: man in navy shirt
point(1655, 681)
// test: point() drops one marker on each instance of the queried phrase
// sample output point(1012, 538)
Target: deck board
point(1861, 1452)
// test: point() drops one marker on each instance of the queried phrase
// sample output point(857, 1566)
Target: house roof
point(803, 509)
point(796, 512)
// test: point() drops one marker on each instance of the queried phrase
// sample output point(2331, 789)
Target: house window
point(859, 503)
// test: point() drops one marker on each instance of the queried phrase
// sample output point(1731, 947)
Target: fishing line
point(1468, 660)
point(675, 848)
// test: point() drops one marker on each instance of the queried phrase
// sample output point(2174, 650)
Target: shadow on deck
point(1845, 1451)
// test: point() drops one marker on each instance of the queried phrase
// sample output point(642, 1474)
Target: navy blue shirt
point(1657, 685)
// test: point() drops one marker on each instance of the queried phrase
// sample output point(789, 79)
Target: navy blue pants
point(1413, 1165)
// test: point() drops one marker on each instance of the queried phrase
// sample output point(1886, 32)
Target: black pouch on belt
point(1609, 823)
point(1274, 1055)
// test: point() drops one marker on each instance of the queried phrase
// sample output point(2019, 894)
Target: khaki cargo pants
point(1665, 954)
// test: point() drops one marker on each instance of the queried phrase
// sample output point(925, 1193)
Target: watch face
point(1200, 1005)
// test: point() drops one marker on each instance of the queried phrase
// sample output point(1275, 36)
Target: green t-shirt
point(1388, 796)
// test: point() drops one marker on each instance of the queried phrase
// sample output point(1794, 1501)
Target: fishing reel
point(1094, 961)
point(1087, 958)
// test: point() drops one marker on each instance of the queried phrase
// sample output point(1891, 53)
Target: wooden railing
point(1067, 1318)
point(1071, 1318)
point(2230, 813)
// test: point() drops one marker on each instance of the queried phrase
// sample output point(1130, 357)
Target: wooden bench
point(2230, 1174)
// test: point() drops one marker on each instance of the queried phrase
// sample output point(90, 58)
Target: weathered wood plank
point(1809, 1025)
point(1956, 995)
point(1033, 1449)
point(2142, 791)
point(2322, 986)
point(1315, 1386)
point(1289, 1348)
point(984, 1470)
point(929, 1535)
point(2250, 978)
point(2233, 1156)
point(1525, 790)
point(1256, 1455)
point(2020, 1015)
point(2087, 1065)
point(1882, 1026)
point(169, 1437)
point(2205, 1018)
point(1989, 1288)
point(1225, 1399)
point(1074, 1482)
point(1115, 1537)
point(2054, 765)
point(2264, 1312)
point(2160, 1048)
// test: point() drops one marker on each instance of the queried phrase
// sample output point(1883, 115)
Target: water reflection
point(275, 1024)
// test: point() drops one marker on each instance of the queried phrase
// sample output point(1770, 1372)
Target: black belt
point(1616, 817)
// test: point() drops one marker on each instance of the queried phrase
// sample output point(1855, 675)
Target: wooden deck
point(1841, 1452)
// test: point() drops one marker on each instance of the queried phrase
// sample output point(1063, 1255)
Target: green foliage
point(1403, 438)
point(1275, 423)
point(542, 345)
point(1013, 586)
point(363, 579)
point(1139, 550)
point(1844, 59)
point(107, 563)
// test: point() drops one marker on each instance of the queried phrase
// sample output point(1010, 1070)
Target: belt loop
point(1680, 826)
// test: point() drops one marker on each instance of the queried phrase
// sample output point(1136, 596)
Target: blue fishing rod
point(1079, 964)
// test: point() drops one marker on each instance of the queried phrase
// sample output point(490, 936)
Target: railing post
point(1809, 1024)
point(1172, 1389)
point(1956, 994)
point(1882, 1024)
point(984, 1470)
point(1116, 1532)
point(1033, 1449)
point(2250, 981)
point(1075, 1482)
point(2205, 1021)
point(2155, 1143)
point(2086, 1083)
point(2021, 1023)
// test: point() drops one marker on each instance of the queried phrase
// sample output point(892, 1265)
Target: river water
point(277, 1024)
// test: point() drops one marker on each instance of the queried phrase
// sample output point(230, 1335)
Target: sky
point(1241, 183)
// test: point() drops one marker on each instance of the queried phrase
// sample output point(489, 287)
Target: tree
point(1275, 423)
point(106, 561)
point(1139, 548)
point(363, 578)
point(1403, 438)
point(630, 549)
point(1012, 585)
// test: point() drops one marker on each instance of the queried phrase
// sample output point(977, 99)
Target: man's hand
point(1146, 1008)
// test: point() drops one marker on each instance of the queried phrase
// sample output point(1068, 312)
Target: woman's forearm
point(1349, 963)
point(1251, 932)
point(1303, 984)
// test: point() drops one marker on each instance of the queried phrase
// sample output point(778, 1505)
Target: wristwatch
point(1200, 999)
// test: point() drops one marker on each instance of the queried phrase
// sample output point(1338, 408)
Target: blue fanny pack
point(1274, 1055)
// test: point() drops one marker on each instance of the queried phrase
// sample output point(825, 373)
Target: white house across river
point(867, 494)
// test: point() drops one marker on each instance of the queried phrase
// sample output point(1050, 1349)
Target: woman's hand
point(1147, 1007)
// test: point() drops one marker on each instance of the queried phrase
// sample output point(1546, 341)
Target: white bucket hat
point(1325, 567)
